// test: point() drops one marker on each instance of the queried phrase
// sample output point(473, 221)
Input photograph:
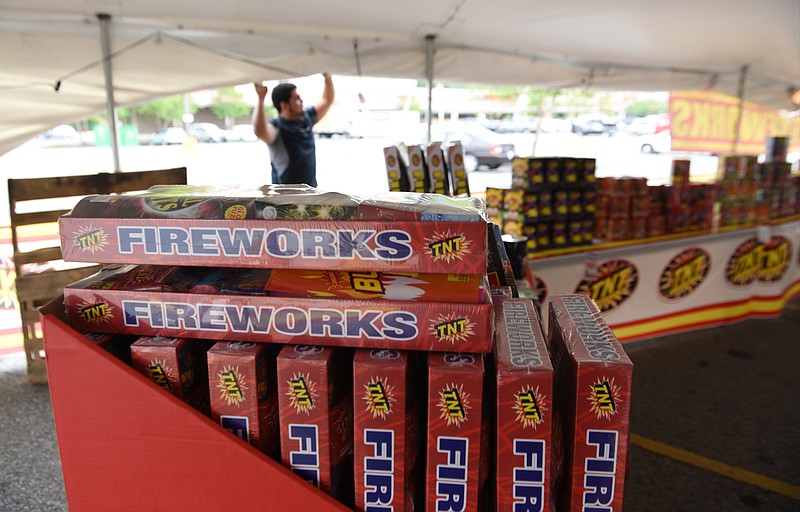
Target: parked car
point(597, 124)
point(660, 142)
point(207, 132)
point(171, 135)
point(482, 147)
point(241, 133)
point(61, 135)
point(648, 124)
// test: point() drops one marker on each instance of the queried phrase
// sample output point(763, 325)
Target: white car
point(660, 142)
point(241, 133)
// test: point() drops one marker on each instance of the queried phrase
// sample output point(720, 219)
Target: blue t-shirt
point(293, 152)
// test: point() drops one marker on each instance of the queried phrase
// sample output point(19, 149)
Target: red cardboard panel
point(127, 445)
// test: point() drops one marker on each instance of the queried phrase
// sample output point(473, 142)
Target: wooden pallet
point(41, 201)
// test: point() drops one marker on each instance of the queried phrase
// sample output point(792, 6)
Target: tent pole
point(429, 75)
point(111, 111)
point(742, 80)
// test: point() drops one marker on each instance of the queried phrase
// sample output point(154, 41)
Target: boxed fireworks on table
point(458, 173)
point(437, 170)
point(524, 473)
point(396, 172)
point(386, 427)
point(316, 416)
point(238, 307)
point(242, 386)
point(280, 228)
point(593, 376)
point(455, 431)
point(177, 365)
point(418, 178)
point(117, 344)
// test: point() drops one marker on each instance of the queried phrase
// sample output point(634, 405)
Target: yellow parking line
point(741, 475)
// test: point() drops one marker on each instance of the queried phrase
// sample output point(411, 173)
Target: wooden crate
point(31, 203)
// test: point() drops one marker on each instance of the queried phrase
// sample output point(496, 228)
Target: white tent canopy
point(51, 68)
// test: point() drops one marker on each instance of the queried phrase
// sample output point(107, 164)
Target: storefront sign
point(684, 273)
point(613, 283)
point(706, 121)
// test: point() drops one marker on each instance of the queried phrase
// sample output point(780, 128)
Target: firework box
point(409, 325)
point(458, 173)
point(102, 438)
point(455, 431)
point(242, 385)
point(594, 376)
point(524, 415)
point(417, 170)
point(385, 422)
point(316, 416)
point(323, 231)
point(395, 170)
point(437, 170)
point(175, 365)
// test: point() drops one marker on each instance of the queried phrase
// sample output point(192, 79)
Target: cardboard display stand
point(125, 444)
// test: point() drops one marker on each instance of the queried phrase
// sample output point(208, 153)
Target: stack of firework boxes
point(750, 191)
point(345, 375)
point(542, 421)
point(551, 202)
point(435, 169)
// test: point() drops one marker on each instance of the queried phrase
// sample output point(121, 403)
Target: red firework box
point(455, 432)
point(281, 228)
point(594, 377)
point(244, 399)
point(97, 304)
point(316, 416)
point(176, 365)
point(524, 416)
point(385, 425)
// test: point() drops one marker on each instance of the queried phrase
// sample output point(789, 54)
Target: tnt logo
point(159, 375)
point(378, 397)
point(230, 386)
point(302, 393)
point(530, 409)
point(451, 328)
point(453, 407)
point(605, 400)
point(95, 312)
point(447, 246)
point(89, 241)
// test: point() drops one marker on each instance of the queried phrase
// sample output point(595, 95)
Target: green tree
point(168, 110)
point(645, 108)
point(229, 105)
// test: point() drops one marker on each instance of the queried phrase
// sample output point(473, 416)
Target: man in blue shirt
point(289, 136)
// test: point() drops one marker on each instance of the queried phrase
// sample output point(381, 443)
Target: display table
point(675, 284)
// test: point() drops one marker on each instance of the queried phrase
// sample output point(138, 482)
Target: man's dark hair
point(282, 92)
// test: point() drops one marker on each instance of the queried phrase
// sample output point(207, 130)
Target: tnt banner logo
point(90, 239)
point(529, 406)
point(604, 398)
point(448, 246)
point(160, 373)
point(302, 393)
point(379, 398)
point(454, 404)
point(231, 385)
point(612, 284)
point(96, 313)
point(754, 261)
point(452, 328)
point(684, 273)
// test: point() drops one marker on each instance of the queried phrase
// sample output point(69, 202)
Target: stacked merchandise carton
point(551, 202)
point(750, 191)
point(436, 169)
point(310, 368)
point(319, 274)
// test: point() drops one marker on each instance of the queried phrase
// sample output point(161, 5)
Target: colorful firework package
point(464, 288)
point(386, 427)
point(244, 399)
point(526, 466)
point(593, 376)
point(316, 416)
point(118, 345)
point(290, 228)
point(176, 365)
point(246, 314)
point(456, 432)
point(437, 170)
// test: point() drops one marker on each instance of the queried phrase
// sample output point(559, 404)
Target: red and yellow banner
point(707, 121)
